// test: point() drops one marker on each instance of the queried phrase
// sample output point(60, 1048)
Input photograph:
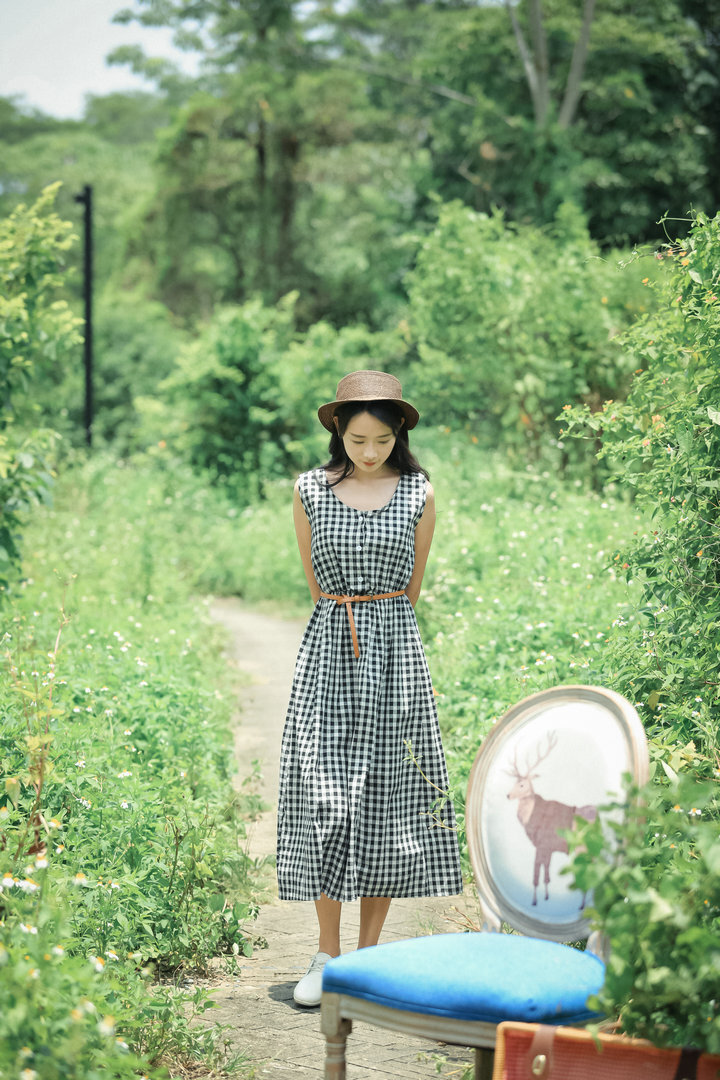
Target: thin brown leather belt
point(348, 601)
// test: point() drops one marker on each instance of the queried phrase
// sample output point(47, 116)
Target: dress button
point(358, 547)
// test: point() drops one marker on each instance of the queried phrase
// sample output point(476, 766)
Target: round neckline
point(357, 510)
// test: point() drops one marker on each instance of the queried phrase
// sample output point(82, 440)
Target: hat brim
point(327, 411)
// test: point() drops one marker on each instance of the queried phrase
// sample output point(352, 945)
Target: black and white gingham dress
point(355, 815)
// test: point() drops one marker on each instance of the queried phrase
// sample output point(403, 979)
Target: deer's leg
point(547, 879)
point(536, 876)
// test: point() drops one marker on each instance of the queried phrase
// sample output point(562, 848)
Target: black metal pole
point(86, 200)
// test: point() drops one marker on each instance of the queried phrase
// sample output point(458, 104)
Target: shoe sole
point(306, 1004)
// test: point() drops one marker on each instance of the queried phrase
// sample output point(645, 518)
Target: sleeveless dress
point(357, 817)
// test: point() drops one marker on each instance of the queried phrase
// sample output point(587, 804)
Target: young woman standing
point(362, 765)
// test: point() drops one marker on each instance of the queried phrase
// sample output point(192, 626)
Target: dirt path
point(283, 1039)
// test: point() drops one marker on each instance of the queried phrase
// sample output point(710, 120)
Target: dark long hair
point(387, 412)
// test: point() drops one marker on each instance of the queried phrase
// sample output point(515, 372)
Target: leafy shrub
point(511, 322)
point(657, 899)
point(136, 348)
point(242, 401)
point(225, 405)
point(36, 331)
point(663, 444)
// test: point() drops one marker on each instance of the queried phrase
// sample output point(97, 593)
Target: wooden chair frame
point(339, 1010)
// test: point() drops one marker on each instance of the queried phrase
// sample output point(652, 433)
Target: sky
point(52, 52)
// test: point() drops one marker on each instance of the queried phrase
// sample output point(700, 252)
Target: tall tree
point(241, 169)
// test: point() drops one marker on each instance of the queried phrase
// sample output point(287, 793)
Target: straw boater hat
point(368, 386)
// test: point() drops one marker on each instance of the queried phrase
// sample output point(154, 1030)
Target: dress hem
point(414, 895)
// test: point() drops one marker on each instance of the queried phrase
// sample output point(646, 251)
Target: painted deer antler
point(540, 756)
point(514, 769)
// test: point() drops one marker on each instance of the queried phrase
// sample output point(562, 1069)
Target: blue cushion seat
point(477, 976)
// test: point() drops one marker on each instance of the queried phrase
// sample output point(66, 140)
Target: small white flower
point(125, 804)
point(107, 1025)
point(79, 764)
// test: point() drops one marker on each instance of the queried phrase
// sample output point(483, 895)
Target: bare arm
point(423, 539)
point(302, 531)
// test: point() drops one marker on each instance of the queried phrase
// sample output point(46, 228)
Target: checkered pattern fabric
point(356, 817)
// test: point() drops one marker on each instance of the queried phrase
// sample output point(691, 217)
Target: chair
point(554, 756)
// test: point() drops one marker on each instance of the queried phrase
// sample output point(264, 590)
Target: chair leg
point(335, 1052)
point(484, 1060)
point(336, 1029)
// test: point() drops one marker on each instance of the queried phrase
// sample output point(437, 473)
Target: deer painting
point(543, 819)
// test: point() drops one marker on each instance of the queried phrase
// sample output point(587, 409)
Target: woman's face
point(368, 443)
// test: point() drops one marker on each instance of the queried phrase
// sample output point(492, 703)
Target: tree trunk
point(577, 68)
point(287, 191)
point(264, 210)
point(535, 63)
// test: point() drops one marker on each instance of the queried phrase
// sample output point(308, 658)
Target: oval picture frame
point(556, 755)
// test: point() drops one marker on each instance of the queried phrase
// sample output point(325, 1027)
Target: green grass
point(122, 841)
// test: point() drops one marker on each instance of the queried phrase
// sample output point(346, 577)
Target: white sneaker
point(309, 990)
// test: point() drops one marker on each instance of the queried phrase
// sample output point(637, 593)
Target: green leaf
point(714, 414)
point(668, 770)
point(712, 858)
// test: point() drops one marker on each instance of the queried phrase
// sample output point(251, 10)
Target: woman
point(362, 808)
